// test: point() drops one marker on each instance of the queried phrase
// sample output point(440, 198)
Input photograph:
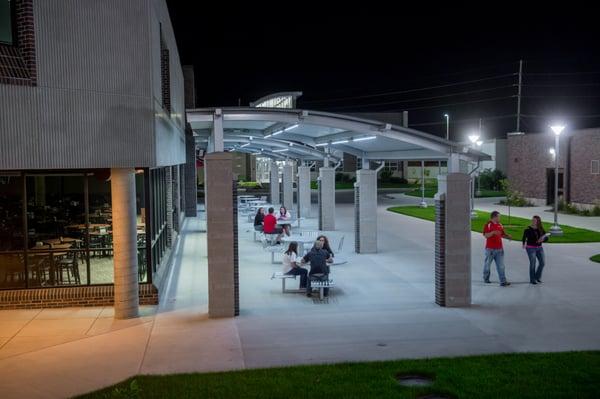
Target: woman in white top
point(283, 214)
point(291, 264)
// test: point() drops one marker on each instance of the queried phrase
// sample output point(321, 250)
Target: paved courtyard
point(382, 308)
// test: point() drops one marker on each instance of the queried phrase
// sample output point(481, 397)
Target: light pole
point(447, 126)
point(474, 138)
point(423, 204)
point(478, 193)
point(557, 129)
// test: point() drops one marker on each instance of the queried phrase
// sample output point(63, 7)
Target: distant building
point(531, 166)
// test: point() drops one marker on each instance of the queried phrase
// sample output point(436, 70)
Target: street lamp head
point(557, 129)
point(446, 116)
point(552, 152)
point(473, 138)
point(479, 143)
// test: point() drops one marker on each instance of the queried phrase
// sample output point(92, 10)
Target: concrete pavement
point(382, 308)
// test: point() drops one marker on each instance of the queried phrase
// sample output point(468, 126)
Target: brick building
point(531, 166)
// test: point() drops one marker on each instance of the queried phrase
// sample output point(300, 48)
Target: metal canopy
point(313, 135)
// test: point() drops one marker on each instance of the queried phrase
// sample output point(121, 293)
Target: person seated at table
point(270, 225)
point(291, 266)
point(283, 215)
point(319, 270)
point(258, 219)
point(326, 246)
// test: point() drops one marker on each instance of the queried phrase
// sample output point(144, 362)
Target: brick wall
point(585, 186)
point(17, 63)
point(528, 160)
point(102, 295)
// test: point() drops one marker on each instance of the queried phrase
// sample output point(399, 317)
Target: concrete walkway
point(382, 308)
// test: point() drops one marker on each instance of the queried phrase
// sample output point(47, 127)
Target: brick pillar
point(274, 184)
point(124, 226)
point(169, 201)
point(287, 180)
point(453, 241)
point(221, 222)
point(326, 198)
point(365, 204)
point(304, 191)
point(190, 184)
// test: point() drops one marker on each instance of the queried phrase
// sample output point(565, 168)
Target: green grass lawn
point(543, 375)
point(516, 227)
point(348, 185)
point(595, 258)
point(431, 191)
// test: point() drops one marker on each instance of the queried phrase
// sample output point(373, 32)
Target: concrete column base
point(274, 184)
point(304, 191)
point(453, 241)
point(326, 199)
point(124, 227)
point(366, 220)
point(223, 300)
point(287, 180)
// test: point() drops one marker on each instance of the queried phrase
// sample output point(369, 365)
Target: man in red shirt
point(493, 231)
point(270, 225)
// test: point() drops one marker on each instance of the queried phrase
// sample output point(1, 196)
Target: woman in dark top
point(533, 237)
point(258, 219)
point(326, 246)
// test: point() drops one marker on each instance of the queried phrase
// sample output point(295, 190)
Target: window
point(6, 22)
point(595, 167)
point(56, 229)
point(165, 77)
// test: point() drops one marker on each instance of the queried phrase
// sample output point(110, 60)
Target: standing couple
point(533, 237)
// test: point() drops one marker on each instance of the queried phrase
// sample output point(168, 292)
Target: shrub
point(385, 175)
point(491, 179)
point(572, 209)
point(398, 180)
point(513, 197)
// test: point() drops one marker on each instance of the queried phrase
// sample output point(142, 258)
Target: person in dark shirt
point(326, 247)
point(319, 270)
point(258, 219)
point(533, 237)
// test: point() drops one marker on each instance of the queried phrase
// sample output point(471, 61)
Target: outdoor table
point(301, 240)
point(43, 250)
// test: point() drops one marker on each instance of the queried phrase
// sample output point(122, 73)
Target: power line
point(413, 90)
point(430, 106)
point(562, 85)
point(568, 116)
point(434, 97)
point(560, 96)
point(457, 121)
point(561, 73)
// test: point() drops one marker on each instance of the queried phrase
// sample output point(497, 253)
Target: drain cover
point(414, 380)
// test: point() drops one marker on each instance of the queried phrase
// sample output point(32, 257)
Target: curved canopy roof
point(313, 135)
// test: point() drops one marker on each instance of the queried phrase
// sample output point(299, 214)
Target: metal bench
point(273, 249)
point(321, 285)
point(283, 278)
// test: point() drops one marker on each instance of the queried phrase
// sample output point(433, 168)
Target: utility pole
point(519, 96)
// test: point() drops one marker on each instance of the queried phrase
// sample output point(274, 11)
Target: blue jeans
point(496, 255)
point(533, 254)
point(302, 272)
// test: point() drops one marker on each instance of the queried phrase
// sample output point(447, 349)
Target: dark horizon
point(346, 64)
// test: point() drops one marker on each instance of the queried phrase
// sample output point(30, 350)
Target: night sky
point(345, 62)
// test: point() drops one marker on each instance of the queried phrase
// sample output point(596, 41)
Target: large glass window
point(159, 215)
point(56, 229)
point(6, 22)
point(12, 235)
